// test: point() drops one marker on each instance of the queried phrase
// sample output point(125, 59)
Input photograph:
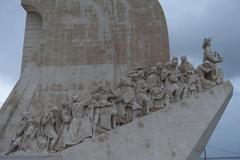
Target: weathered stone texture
point(72, 45)
point(80, 32)
point(179, 132)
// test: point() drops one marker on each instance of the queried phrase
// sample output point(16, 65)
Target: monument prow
point(97, 83)
point(179, 132)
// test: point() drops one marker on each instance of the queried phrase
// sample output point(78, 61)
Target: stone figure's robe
point(80, 128)
point(66, 120)
point(29, 138)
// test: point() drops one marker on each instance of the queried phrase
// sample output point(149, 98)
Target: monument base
point(179, 132)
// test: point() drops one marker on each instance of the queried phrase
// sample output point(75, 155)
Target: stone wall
point(72, 45)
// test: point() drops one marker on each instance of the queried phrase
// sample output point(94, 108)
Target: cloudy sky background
point(189, 21)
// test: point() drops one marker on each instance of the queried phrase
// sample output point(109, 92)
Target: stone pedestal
point(179, 132)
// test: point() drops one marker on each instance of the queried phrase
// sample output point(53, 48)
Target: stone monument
point(97, 83)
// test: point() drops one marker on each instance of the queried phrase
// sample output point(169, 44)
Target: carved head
point(174, 62)
point(184, 58)
point(206, 42)
point(75, 98)
point(154, 69)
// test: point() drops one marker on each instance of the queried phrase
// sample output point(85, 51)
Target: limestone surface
point(179, 132)
point(71, 45)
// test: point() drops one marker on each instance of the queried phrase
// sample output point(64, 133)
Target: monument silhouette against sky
point(81, 53)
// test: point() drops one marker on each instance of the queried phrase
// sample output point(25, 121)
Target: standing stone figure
point(142, 98)
point(185, 66)
point(30, 137)
point(156, 89)
point(204, 72)
point(18, 143)
point(101, 113)
point(194, 84)
point(80, 128)
point(170, 78)
point(127, 107)
point(66, 118)
point(49, 128)
point(213, 58)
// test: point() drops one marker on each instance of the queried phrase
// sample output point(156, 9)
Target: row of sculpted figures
point(142, 91)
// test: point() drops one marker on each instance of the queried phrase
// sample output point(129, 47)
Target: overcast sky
point(189, 21)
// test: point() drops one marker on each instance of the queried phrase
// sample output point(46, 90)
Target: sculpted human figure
point(49, 128)
point(204, 72)
point(189, 80)
point(158, 96)
point(137, 76)
point(80, 128)
point(183, 85)
point(194, 83)
point(105, 109)
point(169, 84)
point(185, 66)
point(18, 143)
point(142, 98)
point(153, 78)
point(209, 55)
point(160, 67)
point(66, 118)
point(128, 109)
point(156, 89)
point(213, 58)
point(30, 137)
point(101, 114)
point(104, 90)
point(170, 77)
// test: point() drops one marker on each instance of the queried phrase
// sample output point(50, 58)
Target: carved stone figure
point(17, 144)
point(29, 138)
point(104, 90)
point(183, 87)
point(170, 77)
point(66, 118)
point(49, 128)
point(194, 84)
point(209, 55)
point(159, 97)
point(156, 89)
point(148, 90)
point(102, 113)
point(204, 72)
point(153, 78)
point(160, 67)
point(142, 98)
point(213, 59)
point(79, 128)
point(128, 109)
point(185, 66)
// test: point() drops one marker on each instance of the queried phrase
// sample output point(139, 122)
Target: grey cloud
point(190, 21)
